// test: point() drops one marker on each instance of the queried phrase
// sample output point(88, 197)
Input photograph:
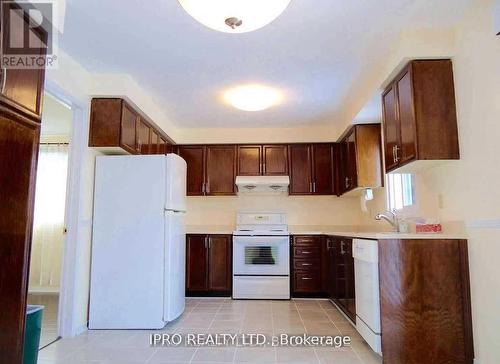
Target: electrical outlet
point(440, 201)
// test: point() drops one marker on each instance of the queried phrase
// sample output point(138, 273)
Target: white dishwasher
point(365, 253)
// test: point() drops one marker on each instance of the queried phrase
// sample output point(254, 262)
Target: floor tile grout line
point(305, 329)
point(209, 326)
point(341, 334)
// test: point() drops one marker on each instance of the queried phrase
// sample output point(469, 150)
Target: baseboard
point(80, 329)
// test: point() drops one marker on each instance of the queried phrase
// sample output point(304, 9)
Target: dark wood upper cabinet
point(391, 127)
point(143, 136)
point(153, 142)
point(128, 138)
point(268, 160)
point(116, 127)
point(420, 121)
point(249, 160)
point(194, 155)
point(360, 158)
point(196, 262)
point(162, 146)
point(220, 170)
point(274, 160)
point(22, 89)
point(220, 260)
point(300, 166)
point(425, 292)
point(208, 264)
point(324, 165)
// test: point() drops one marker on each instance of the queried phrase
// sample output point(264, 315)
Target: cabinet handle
point(342, 251)
point(310, 187)
point(396, 153)
point(4, 78)
point(314, 187)
point(306, 278)
point(206, 242)
point(203, 187)
point(207, 187)
point(347, 183)
point(306, 252)
point(306, 264)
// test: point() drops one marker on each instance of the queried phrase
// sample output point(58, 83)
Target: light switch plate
point(496, 17)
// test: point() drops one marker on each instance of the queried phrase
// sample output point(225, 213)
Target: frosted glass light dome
point(253, 97)
point(234, 16)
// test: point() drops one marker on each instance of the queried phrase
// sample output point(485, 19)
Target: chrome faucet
point(391, 218)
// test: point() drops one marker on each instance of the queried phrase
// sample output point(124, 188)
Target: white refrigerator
point(138, 242)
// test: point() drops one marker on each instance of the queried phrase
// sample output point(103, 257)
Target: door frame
point(66, 325)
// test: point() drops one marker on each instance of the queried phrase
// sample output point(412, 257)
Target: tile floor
point(222, 316)
point(49, 322)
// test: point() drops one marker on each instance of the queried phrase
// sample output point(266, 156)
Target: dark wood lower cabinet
point(208, 265)
point(425, 302)
point(340, 274)
point(306, 263)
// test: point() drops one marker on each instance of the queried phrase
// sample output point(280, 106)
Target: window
point(400, 191)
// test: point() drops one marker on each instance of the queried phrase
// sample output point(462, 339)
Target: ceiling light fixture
point(253, 97)
point(234, 16)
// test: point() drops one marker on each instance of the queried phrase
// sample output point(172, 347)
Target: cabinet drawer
point(307, 264)
point(307, 282)
point(307, 240)
point(306, 252)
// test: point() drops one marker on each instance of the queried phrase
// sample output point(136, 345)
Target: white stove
point(261, 256)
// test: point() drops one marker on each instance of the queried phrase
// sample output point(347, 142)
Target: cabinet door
point(128, 129)
point(300, 169)
point(407, 124)
point(221, 170)
point(162, 145)
point(349, 167)
point(196, 263)
point(22, 89)
point(219, 272)
point(143, 136)
point(350, 302)
point(249, 160)
point(194, 155)
point(153, 142)
point(339, 272)
point(328, 268)
point(307, 282)
point(275, 160)
point(323, 169)
point(391, 127)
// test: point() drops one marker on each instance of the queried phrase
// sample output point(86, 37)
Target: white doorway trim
point(78, 139)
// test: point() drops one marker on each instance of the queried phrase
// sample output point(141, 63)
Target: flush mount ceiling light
point(253, 97)
point(234, 16)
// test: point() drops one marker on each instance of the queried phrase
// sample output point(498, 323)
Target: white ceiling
point(315, 52)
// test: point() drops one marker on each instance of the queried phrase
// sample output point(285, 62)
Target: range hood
point(263, 185)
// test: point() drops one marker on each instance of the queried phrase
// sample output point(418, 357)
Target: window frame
point(409, 210)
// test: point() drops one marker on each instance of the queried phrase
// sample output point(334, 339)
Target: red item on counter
point(429, 228)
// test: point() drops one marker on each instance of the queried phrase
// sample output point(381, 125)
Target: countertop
point(328, 230)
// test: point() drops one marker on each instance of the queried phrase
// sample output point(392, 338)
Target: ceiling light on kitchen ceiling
point(234, 16)
point(253, 97)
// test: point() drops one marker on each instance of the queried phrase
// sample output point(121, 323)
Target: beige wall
point(467, 190)
point(300, 210)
